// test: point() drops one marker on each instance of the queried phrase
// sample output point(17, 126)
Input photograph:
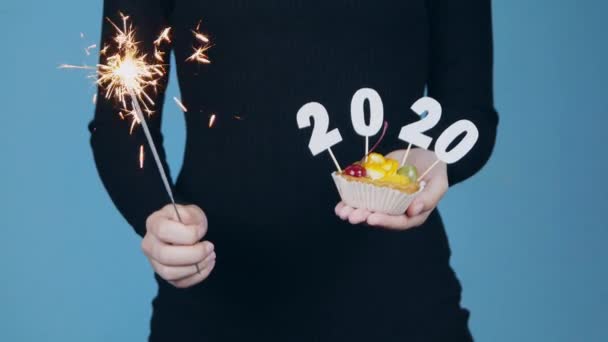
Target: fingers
point(173, 273)
point(428, 198)
point(195, 278)
point(344, 211)
point(401, 222)
point(170, 231)
point(190, 214)
point(172, 255)
point(339, 207)
point(358, 216)
point(353, 215)
point(387, 221)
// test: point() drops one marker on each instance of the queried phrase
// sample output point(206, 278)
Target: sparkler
point(127, 77)
point(128, 73)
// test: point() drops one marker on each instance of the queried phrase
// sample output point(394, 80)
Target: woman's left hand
point(422, 206)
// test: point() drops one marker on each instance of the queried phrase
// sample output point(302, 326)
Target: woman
point(288, 269)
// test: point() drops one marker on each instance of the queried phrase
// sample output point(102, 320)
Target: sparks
point(159, 55)
point(180, 104)
point(141, 156)
point(71, 66)
point(127, 69)
point(199, 55)
point(126, 77)
point(200, 51)
point(130, 113)
point(104, 50)
point(200, 37)
point(163, 37)
point(88, 49)
point(211, 120)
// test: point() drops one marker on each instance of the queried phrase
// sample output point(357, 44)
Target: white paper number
point(413, 133)
point(357, 112)
point(321, 139)
point(463, 147)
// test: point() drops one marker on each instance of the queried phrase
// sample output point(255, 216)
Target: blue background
point(528, 234)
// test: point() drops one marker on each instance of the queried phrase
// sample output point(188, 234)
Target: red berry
point(355, 170)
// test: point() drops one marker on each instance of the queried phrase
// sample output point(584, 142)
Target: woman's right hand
point(175, 249)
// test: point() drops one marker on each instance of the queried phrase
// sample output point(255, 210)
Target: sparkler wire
point(159, 164)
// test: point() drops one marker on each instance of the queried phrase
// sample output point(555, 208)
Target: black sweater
point(264, 193)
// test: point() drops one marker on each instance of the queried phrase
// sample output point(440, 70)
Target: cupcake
point(378, 184)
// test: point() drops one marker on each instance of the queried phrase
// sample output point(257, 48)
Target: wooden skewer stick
point(428, 170)
point(333, 157)
point(407, 152)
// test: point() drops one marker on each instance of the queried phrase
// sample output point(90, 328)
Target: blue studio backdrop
point(528, 234)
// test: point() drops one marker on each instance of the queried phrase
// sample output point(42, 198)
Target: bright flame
point(211, 120)
point(127, 70)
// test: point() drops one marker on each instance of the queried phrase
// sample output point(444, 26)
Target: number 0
point(357, 112)
point(463, 147)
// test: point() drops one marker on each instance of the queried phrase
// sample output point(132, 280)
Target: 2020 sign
point(414, 134)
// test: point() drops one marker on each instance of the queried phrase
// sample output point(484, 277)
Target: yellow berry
point(375, 171)
point(390, 166)
point(374, 158)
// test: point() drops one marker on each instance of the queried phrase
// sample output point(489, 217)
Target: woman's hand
point(175, 250)
point(422, 206)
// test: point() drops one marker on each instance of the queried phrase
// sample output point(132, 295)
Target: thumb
point(428, 198)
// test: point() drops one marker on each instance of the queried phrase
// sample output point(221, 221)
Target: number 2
point(413, 133)
point(321, 139)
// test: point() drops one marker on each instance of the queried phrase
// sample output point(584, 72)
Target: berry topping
point(409, 171)
point(355, 170)
point(374, 158)
point(375, 171)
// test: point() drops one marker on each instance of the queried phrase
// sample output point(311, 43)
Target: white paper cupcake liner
point(379, 199)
